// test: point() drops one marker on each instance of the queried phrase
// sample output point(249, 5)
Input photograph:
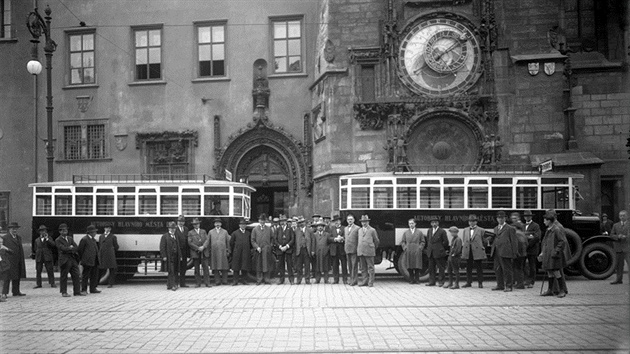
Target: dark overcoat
point(16, 257)
point(67, 253)
point(108, 246)
point(437, 243)
point(170, 249)
point(240, 245)
point(265, 260)
point(182, 240)
point(505, 242)
point(284, 237)
point(321, 250)
point(553, 244)
point(413, 245)
point(303, 238)
point(533, 233)
point(88, 251)
point(336, 248)
point(44, 250)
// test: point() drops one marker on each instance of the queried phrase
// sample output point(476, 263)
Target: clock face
point(439, 57)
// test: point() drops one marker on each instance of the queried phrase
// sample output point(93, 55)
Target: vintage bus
point(390, 199)
point(139, 207)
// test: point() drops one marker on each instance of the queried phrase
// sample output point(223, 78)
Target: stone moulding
point(191, 135)
point(364, 55)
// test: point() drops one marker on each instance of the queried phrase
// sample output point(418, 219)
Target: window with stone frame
point(211, 50)
point(5, 19)
point(82, 68)
point(168, 154)
point(84, 140)
point(148, 53)
point(287, 45)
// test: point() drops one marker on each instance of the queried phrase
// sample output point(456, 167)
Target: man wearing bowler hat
point(44, 250)
point(504, 250)
point(437, 244)
point(68, 262)
point(108, 246)
point(88, 253)
point(15, 255)
point(170, 253)
point(473, 251)
point(181, 232)
point(219, 250)
point(366, 250)
point(533, 233)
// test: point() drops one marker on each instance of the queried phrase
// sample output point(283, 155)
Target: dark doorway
point(272, 201)
point(611, 191)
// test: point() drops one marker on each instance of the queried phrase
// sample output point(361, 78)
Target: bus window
point(454, 197)
point(383, 197)
point(526, 197)
point(360, 197)
point(406, 197)
point(216, 204)
point(84, 205)
point(148, 205)
point(430, 197)
point(43, 205)
point(238, 206)
point(63, 205)
point(501, 197)
point(169, 204)
point(555, 197)
point(344, 199)
point(478, 197)
point(126, 204)
point(104, 205)
point(191, 205)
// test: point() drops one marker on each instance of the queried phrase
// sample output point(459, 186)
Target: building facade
point(289, 95)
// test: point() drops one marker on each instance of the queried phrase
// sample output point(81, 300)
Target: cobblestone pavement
point(141, 316)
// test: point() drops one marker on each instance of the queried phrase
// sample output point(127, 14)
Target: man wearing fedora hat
point(17, 270)
point(366, 250)
point(337, 252)
point(303, 248)
point(171, 255)
point(533, 233)
point(240, 246)
point(351, 239)
point(88, 254)
point(181, 232)
point(473, 251)
point(44, 250)
point(284, 242)
point(321, 252)
point(68, 262)
point(5, 266)
point(219, 251)
point(108, 246)
point(262, 244)
point(504, 249)
point(199, 245)
point(412, 243)
point(437, 244)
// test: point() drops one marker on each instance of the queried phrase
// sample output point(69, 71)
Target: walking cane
point(542, 283)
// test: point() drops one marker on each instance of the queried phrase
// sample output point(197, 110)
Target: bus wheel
point(575, 245)
point(401, 265)
point(597, 261)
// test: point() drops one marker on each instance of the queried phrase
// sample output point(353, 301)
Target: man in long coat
point(88, 254)
point(437, 244)
point(412, 243)
point(532, 232)
point(337, 252)
point(5, 265)
point(108, 246)
point(17, 270)
point(284, 242)
point(473, 250)
point(171, 255)
point(68, 262)
point(504, 249)
point(199, 245)
point(552, 256)
point(303, 249)
point(219, 249)
point(366, 250)
point(240, 246)
point(44, 250)
point(181, 232)
point(321, 252)
point(619, 233)
point(351, 240)
point(262, 243)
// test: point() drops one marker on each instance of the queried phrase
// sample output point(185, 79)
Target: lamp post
point(37, 26)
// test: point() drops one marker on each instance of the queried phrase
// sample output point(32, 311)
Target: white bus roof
point(462, 174)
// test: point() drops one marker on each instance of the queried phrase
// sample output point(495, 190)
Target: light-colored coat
point(219, 248)
point(197, 239)
point(368, 242)
point(473, 241)
point(352, 239)
point(413, 244)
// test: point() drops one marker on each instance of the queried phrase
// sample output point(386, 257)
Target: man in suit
point(170, 252)
point(320, 240)
point(15, 255)
point(219, 250)
point(504, 250)
point(473, 251)
point(454, 256)
point(262, 244)
point(88, 253)
point(351, 240)
point(199, 245)
point(44, 249)
point(181, 232)
point(366, 250)
point(437, 244)
point(619, 233)
point(532, 232)
point(518, 264)
point(68, 262)
point(284, 242)
point(108, 246)
point(303, 248)
point(240, 246)
point(337, 252)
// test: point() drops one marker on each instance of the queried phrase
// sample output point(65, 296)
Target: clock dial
point(439, 57)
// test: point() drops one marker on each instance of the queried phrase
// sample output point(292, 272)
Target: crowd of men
point(301, 251)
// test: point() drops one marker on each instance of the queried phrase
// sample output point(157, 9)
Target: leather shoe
point(37, 286)
point(507, 290)
point(467, 285)
point(83, 293)
point(617, 282)
point(362, 284)
point(519, 287)
point(65, 295)
point(53, 285)
point(95, 291)
point(480, 286)
point(430, 284)
point(110, 286)
point(19, 294)
point(496, 288)
point(183, 286)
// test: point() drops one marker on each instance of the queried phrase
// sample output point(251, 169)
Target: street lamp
point(37, 26)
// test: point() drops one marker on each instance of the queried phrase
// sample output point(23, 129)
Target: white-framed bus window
point(191, 204)
point(555, 197)
point(527, 194)
point(147, 203)
point(63, 204)
point(126, 202)
point(406, 193)
point(43, 202)
point(169, 203)
point(383, 194)
point(454, 193)
point(477, 193)
point(215, 205)
point(430, 194)
point(343, 198)
point(238, 205)
point(360, 198)
point(84, 203)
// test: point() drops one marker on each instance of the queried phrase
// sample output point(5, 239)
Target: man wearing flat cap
point(533, 233)
point(171, 255)
point(504, 249)
point(88, 254)
point(437, 244)
point(199, 245)
point(473, 251)
point(15, 255)
point(240, 246)
point(44, 250)
point(366, 250)
point(219, 251)
point(68, 262)
point(454, 256)
point(181, 232)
